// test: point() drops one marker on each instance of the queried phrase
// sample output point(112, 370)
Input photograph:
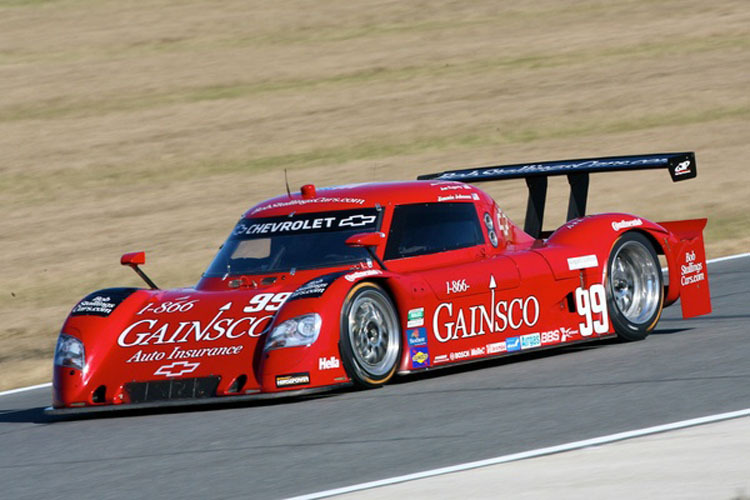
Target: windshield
point(300, 241)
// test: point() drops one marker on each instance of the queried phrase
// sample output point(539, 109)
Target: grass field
point(153, 125)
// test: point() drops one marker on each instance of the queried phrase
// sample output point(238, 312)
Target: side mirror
point(135, 259)
point(368, 241)
point(365, 239)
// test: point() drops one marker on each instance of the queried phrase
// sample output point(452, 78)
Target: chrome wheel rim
point(373, 332)
point(634, 282)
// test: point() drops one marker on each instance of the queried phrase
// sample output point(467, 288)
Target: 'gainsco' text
point(477, 320)
point(150, 332)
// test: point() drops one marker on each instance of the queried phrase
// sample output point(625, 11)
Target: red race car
point(355, 284)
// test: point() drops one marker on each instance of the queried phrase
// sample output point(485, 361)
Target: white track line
point(729, 257)
point(40, 386)
point(576, 445)
point(24, 389)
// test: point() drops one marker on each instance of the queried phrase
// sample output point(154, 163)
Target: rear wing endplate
point(681, 166)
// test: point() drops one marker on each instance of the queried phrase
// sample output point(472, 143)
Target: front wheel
point(370, 335)
point(635, 291)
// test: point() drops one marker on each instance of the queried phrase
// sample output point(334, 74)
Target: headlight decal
point(70, 352)
point(299, 331)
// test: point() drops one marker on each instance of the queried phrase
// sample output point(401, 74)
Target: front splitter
point(178, 403)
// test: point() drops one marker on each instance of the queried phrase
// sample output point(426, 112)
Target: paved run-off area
point(707, 462)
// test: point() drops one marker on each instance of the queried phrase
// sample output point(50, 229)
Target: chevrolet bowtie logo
point(357, 220)
point(177, 368)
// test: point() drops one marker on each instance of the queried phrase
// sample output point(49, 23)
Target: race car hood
point(134, 336)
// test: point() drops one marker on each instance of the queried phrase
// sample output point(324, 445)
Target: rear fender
point(583, 245)
point(681, 242)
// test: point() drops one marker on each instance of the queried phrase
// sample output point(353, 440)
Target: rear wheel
point(635, 291)
point(370, 335)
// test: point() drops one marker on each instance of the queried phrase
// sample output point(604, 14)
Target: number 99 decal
point(266, 302)
point(592, 305)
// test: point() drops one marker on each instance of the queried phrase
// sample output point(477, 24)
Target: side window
point(426, 228)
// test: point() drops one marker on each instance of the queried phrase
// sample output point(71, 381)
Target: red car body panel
point(454, 306)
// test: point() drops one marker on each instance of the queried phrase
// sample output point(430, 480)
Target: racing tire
point(634, 287)
point(370, 341)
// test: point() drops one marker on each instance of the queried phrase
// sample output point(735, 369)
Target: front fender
point(321, 362)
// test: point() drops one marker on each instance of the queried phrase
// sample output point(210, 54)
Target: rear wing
point(681, 166)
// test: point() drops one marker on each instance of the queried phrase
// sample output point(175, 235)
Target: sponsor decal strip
point(420, 357)
point(415, 318)
point(454, 197)
point(624, 224)
point(496, 347)
point(530, 341)
point(456, 286)
point(417, 336)
point(495, 317)
point(315, 287)
point(540, 452)
point(583, 262)
point(682, 168)
point(691, 272)
point(179, 353)
point(324, 199)
point(362, 274)
point(292, 379)
point(328, 363)
point(557, 167)
point(101, 303)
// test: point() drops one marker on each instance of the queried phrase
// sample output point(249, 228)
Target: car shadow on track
point(38, 416)
point(27, 415)
point(669, 331)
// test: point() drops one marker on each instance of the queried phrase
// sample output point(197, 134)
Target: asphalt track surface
point(685, 369)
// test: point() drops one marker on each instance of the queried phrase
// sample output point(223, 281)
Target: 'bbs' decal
point(102, 303)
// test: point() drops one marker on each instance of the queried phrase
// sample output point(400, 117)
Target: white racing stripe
point(576, 445)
